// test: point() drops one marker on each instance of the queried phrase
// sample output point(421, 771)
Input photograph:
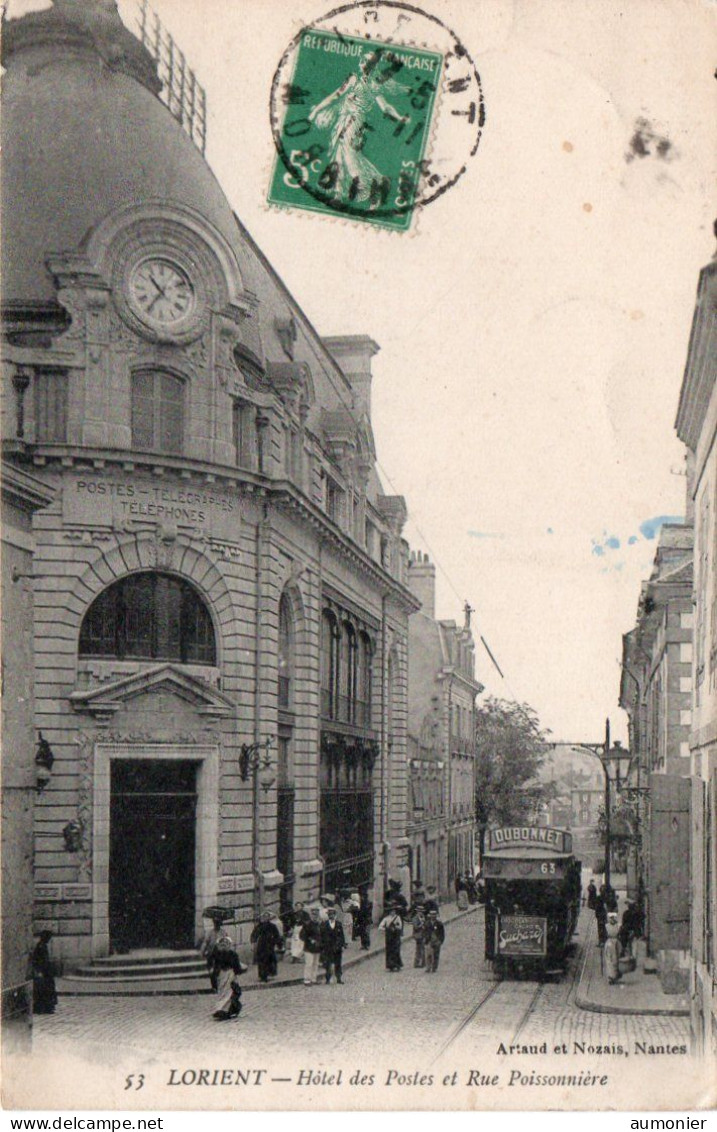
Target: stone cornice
point(281, 492)
point(23, 490)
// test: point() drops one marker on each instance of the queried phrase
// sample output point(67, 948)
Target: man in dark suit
point(434, 936)
point(333, 942)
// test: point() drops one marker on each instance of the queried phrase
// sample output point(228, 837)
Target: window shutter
point(670, 862)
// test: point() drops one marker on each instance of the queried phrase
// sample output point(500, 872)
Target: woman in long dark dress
point(392, 926)
point(44, 993)
point(228, 968)
point(267, 941)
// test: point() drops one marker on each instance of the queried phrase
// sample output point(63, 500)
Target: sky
point(534, 323)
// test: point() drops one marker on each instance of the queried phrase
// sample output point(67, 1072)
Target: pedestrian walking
point(333, 942)
point(392, 927)
point(592, 895)
point(461, 892)
point(419, 926)
point(297, 918)
point(629, 929)
point(44, 992)
point(228, 967)
point(395, 897)
point(208, 944)
point(434, 936)
point(601, 918)
point(611, 950)
point(311, 937)
point(267, 941)
point(431, 901)
point(364, 919)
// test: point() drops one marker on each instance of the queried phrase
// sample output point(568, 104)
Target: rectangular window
point(333, 500)
point(241, 435)
point(51, 407)
point(157, 412)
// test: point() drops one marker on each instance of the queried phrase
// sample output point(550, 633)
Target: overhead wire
point(382, 471)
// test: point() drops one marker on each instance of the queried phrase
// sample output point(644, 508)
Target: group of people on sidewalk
point(424, 917)
point(317, 936)
point(615, 941)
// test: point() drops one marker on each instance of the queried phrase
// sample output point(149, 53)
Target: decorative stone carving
point(163, 547)
point(175, 737)
point(227, 551)
point(286, 333)
point(86, 746)
point(198, 351)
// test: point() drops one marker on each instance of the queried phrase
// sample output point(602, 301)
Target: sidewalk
point(290, 974)
point(635, 993)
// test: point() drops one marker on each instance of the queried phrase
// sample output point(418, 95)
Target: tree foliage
point(510, 750)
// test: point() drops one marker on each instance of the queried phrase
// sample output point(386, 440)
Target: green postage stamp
point(352, 125)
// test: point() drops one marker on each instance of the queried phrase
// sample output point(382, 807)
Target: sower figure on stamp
point(333, 942)
point(345, 112)
point(434, 935)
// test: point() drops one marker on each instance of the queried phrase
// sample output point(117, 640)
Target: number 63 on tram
point(532, 898)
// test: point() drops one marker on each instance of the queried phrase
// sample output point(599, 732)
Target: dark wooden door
point(152, 854)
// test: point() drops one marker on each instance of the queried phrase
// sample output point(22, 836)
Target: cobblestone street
point(416, 1010)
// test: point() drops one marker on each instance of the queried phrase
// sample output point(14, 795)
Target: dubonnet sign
point(510, 837)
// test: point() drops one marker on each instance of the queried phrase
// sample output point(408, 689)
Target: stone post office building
point(219, 566)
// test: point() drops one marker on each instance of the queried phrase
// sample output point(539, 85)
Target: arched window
point(285, 653)
point(157, 411)
point(149, 616)
point(348, 672)
point(330, 638)
point(363, 680)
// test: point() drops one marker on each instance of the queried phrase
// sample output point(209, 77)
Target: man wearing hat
point(327, 900)
point(311, 936)
point(333, 942)
point(419, 927)
point(434, 934)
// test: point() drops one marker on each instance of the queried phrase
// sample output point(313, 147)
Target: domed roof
point(83, 134)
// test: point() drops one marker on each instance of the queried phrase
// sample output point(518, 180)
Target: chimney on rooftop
point(353, 353)
point(422, 581)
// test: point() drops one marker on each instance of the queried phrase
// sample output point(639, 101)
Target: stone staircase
point(145, 972)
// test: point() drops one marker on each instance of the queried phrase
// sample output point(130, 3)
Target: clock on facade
point(161, 293)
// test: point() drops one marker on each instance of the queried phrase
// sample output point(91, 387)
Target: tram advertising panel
point(521, 936)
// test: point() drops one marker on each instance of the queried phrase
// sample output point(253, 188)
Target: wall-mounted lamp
point(254, 759)
point(72, 836)
point(44, 759)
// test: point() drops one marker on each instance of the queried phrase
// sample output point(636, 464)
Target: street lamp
point(614, 755)
point(254, 759)
point(44, 758)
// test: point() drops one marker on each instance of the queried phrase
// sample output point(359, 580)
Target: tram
point(532, 898)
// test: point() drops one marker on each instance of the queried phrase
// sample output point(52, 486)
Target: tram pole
point(605, 763)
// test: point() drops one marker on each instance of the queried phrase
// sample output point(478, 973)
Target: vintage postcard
point(359, 606)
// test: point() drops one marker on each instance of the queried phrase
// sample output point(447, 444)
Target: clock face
point(161, 292)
